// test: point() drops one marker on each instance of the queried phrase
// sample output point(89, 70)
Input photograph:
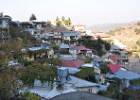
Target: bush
point(138, 42)
point(87, 74)
point(135, 82)
point(30, 96)
point(88, 60)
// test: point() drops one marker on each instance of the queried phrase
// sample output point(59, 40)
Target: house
point(125, 75)
point(34, 27)
point(40, 25)
point(39, 51)
point(81, 50)
point(118, 57)
point(113, 58)
point(59, 35)
point(52, 37)
point(5, 21)
point(117, 45)
point(64, 48)
point(15, 64)
point(70, 35)
point(29, 27)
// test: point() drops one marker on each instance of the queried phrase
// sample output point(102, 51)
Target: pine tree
point(33, 17)
point(69, 22)
point(63, 19)
point(57, 19)
point(58, 22)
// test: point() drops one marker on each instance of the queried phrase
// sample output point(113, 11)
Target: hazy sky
point(81, 11)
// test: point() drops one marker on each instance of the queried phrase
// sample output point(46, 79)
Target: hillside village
point(41, 60)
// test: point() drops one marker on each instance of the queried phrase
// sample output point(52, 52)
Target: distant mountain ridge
point(108, 27)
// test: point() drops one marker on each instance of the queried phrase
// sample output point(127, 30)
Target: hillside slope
point(128, 35)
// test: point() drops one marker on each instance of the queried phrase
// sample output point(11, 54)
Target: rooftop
point(80, 96)
point(70, 33)
point(125, 74)
point(80, 83)
point(71, 70)
point(76, 63)
point(69, 86)
point(64, 46)
point(114, 67)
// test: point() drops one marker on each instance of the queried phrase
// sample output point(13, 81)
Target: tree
point(33, 17)
point(98, 45)
point(135, 82)
point(63, 19)
point(58, 22)
point(87, 74)
point(56, 61)
point(8, 84)
point(113, 91)
point(29, 96)
point(104, 69)
point(107, 46)
point(39, 72)
point(57, 19)
point(88, 60)
point(69, 22)
point(14, 30)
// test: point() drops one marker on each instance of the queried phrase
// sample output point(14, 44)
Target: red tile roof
point(72, 63)
point(114, 67)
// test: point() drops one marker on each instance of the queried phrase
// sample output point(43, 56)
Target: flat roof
point(80, 83)
point(69, 86)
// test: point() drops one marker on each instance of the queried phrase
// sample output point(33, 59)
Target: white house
point(4, 21)
point(71, 35)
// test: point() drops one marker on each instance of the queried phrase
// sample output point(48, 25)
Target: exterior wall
point(73, 52)
point(66, 38)
point(4, 23)
point(89, 90)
